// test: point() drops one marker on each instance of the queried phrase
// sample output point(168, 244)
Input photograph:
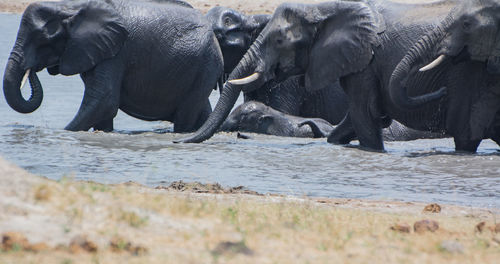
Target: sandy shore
point(44, 221)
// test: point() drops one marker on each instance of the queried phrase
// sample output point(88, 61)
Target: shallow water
point(422, 170)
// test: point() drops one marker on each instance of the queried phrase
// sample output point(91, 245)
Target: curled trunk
point(228, 98)
point(418, 53)
point(12, 82)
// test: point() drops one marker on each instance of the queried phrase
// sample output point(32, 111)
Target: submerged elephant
point(154, 61)
point(290, 96)
point(467, 47)
point(257, 117)
point(326, 42)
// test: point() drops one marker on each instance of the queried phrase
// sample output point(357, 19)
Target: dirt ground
point(45, 221)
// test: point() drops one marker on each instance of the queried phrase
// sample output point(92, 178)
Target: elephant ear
point(346, 32)
point(493, 64)
point(256, 24)
point(95, 33)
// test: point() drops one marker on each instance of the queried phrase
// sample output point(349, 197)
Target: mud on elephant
point(154, 61)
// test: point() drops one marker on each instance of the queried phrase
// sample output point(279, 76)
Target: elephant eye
point(52, 27)
point(467, 24)
point(227, 21)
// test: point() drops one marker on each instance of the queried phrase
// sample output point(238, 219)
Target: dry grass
point(175, 227)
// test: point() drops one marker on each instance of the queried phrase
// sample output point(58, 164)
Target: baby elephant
point(257, 117)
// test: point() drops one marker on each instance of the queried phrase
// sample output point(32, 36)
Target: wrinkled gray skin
point(256, 117)
point(235, 32)
point(469, 37)
point(330, 41)
point(153, 61)
point(291, 97)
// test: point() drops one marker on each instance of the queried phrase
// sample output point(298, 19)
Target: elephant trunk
point(230, 125)
point(14, 78)
point(420, 52)
point(229, 95)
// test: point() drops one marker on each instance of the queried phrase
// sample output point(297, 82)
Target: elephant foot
point(466, 146)
point(105, 125)
point(379, 148)
point(74, 126)
point(496, 139)
point(341, 136)
point(344, 132)
point(371, 141)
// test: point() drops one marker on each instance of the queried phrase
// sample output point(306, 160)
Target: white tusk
point(25, 78)
point(433, 64)
point(245, 80)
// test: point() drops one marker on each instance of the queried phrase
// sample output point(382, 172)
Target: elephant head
point(323, 41)
point(250, 116)
point(470, 32)
point(67, 37)
point(235, 32)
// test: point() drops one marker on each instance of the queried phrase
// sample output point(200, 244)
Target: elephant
point(154, 61)
point(235, 32)
point(256, 117)
point(290, 96)
point(466, 49)
point(336, 41)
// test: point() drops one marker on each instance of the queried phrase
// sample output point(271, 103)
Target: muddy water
point(422, 170)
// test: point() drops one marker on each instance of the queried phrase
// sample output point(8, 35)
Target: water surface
point(422, 170)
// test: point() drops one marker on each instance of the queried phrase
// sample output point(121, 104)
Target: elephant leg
point(364, 110)
point(483, 119)
point(466, 145)
point(496, 138)
point(205, 112)
point(101, 98)
point(193, 112)
point(104, 125)
point(343, 133)
point(495, 131)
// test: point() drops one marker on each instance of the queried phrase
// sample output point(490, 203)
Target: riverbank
point(45, 221)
